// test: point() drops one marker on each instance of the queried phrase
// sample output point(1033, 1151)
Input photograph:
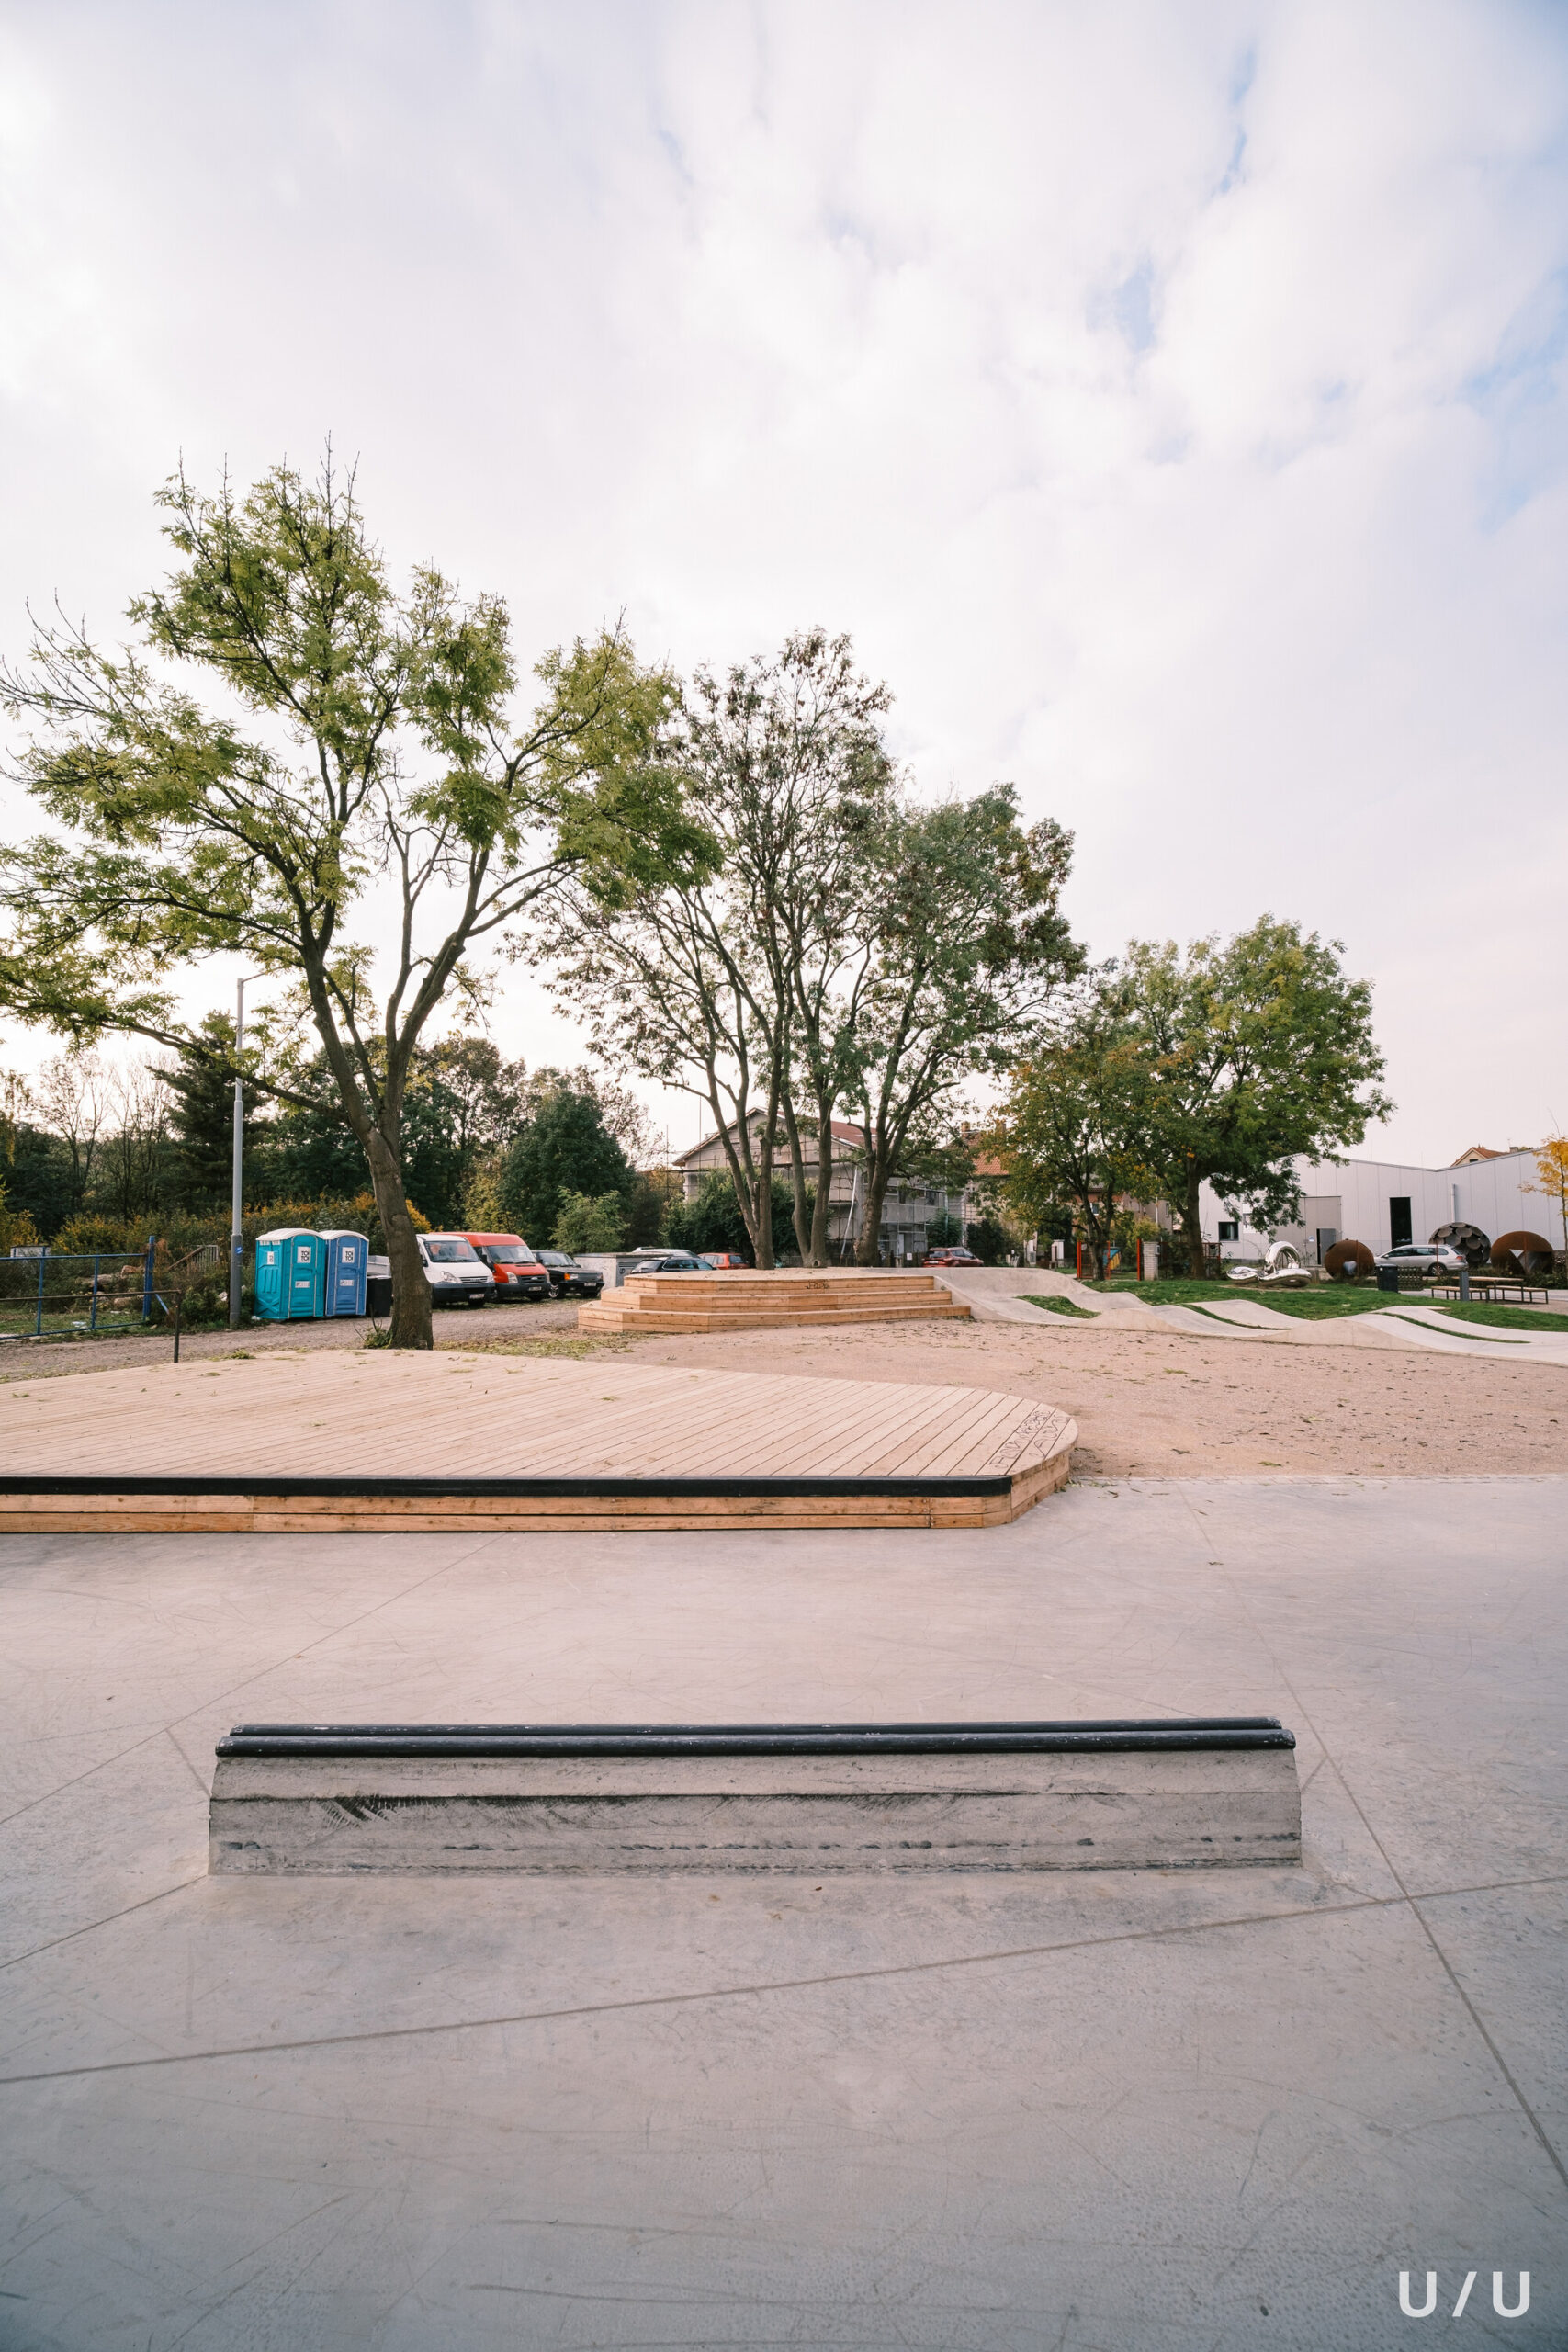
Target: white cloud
point(1169, 401)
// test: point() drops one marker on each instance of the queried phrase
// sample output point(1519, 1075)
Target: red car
point(518, 1273)
point(726, 1262)
point(952, 1258)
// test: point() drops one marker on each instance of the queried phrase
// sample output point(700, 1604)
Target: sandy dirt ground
point(1164, 1404)
point(1150, 1403)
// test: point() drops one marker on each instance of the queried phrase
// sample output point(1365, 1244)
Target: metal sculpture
point(1348, 1260)
point(1527, 1254)
point(1282, 1269)
point(1468, 1239)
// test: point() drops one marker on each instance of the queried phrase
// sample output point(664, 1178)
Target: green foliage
point(85, 1236)
point(1054, 1304)
point(990, 1240)
point(565, 1148)
point(17, 1230)
point(1256, 1053)
point(653, 1195)
point(590, 1223)
point(714, 1221)
point(362, 760)
point(1072, 1128)
point(944, 1233)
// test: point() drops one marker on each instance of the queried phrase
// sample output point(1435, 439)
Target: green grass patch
point(1057, 1304)
point(1501, 1317)
point(1321, 1303)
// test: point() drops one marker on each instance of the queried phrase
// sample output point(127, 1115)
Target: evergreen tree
point(565, 1148)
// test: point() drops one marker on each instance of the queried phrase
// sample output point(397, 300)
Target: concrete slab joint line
point(298, 1798)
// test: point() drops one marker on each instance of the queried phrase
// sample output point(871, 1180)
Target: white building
point(1382, 1202)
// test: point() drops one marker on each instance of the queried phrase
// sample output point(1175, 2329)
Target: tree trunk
point(797, 1179)
point(411, 1287)
point(1192, 1224)
point(821, 1207)
point(868, 1253)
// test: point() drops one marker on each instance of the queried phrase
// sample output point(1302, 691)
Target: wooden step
point(777, 1301)
point(604, 1316)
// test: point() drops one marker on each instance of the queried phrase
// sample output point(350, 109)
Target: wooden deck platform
point(778, 1300)
point(377, 1441)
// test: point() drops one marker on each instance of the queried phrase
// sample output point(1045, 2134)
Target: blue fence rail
point(63, 1292)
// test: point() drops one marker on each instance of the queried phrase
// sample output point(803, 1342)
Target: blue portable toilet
point(291, 1274)
point(348, 1256)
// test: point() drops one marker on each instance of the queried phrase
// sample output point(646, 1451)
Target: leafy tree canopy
point(359, 811)
point(565, 1148)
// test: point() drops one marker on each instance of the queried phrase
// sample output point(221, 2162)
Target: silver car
point(1422, 1258)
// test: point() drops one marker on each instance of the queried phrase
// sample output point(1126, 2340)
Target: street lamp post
point(237, 1206)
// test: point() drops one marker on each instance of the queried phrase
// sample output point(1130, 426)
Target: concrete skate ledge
point(302, 1799)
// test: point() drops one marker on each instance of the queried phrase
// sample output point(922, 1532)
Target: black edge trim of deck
point(522, 1490)
point(752, 1739)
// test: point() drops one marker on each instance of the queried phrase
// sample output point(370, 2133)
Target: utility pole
point(237, 1206)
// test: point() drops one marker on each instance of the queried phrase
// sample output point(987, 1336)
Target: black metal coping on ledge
point(1178, 1733)
point(519, 1489)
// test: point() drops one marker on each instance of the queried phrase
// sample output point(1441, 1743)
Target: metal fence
point(53, 1293)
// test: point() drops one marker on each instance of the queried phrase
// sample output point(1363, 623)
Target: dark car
point(668, 1261)
point(567, 1278)
point(518, 1273)
point(952, 1258)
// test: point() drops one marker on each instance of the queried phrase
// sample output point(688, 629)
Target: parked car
point(726, 1262)
point(1422, 1258)
point(518, 1273)
point(567, 1278)
point(458, 1275)
point(954, 1257)
point(668, 1261)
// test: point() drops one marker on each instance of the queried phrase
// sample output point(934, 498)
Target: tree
point(201, 1119)
point(72, 1100)
point(363, 759)
point(714, 1221)
point(852, 949)
point(1551, 1167)
point(566, 1148)
point(1259, 1053)
point(733, 987)
point(962, 905)
point(133, 1164)
point(589, 1223)
point(1073, 1126)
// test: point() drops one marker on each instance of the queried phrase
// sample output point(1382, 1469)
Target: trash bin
point(377, 1286)
point(348, 1257)
point(290, 1274)
point(1388, 1278)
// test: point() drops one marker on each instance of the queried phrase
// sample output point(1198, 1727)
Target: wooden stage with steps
point(777, 1300)
point(335, 1441)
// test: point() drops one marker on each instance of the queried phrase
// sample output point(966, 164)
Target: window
point(1399, 1225)
point(1230, 1229)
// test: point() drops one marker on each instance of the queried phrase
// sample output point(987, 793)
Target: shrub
point(589, 1223)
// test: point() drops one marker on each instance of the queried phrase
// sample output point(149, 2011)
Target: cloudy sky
point(1169, 398)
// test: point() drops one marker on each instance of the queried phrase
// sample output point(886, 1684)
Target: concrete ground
point(1194, 2111)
